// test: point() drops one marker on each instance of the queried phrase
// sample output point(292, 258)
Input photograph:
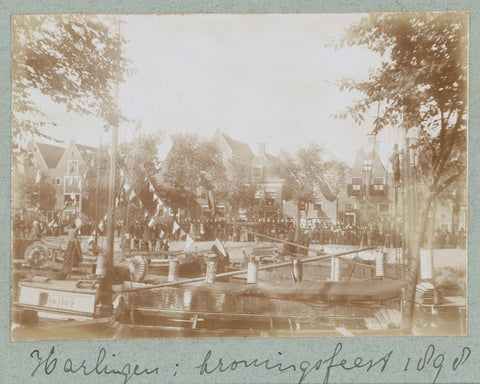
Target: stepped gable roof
point(239, 149)
point(50, 153)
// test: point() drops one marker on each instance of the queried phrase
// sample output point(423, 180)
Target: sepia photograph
point(239, 175)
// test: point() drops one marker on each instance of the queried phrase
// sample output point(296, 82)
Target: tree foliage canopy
point(75, 60)
point(421, 85)
point(239, 185)
point(190, 158)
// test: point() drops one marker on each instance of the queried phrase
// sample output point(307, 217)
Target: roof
point(368, 153)
point(50, 153)
point(242, 150)
point(85, 150)
point(273, 166)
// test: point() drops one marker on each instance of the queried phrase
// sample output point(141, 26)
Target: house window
point(58, 181)
point(378, 187)
point(383, 208)
point(367, 165)
point(270, 194)
point(68, 184)
point(72, 167)
point(349, 207)
point(356, 187)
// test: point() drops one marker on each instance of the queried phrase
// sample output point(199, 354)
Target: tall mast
point(106, 283)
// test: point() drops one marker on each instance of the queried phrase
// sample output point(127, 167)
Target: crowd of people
point(139, 234)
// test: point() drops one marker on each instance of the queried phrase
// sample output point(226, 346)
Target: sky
point(258, 78)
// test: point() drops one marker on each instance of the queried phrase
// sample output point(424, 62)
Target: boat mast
point(105, 288)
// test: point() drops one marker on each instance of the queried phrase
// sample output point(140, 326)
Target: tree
point(30, 193)
point(138, 160)
point(75, 60)
point(422, 85)
point(305, 175)
point(239, 186)
point(189, 159)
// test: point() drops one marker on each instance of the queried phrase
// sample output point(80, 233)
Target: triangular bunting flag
point(188, 242)
point(132, 195)
point(151, 223)
point(150, 188)
point(126, 186)
point(176, 227)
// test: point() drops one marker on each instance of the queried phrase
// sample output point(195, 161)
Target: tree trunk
point(414, 253)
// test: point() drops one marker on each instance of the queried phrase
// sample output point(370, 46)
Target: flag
point(150, 188)
point(92, 163)
point(219, 249)
point(188, 242)
point(146, 214)
point(176, 227)
point(155, 196)
point(182, 233)
point(151, 223)
point(116, 201)
point(162, 233)
point(122, 174)
point(126, 186)
point(132, 195)
point(72, 196)
point(51, 223)
point(100, 225)
point(70, 182)
point(37, 178)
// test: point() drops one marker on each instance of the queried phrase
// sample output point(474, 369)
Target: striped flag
point(219, 249)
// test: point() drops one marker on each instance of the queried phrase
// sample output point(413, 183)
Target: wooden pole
point(242, 271)
point(318, 251)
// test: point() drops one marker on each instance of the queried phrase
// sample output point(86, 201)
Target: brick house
point(64, 169)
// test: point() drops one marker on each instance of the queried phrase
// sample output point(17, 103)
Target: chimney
point(261, 149)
